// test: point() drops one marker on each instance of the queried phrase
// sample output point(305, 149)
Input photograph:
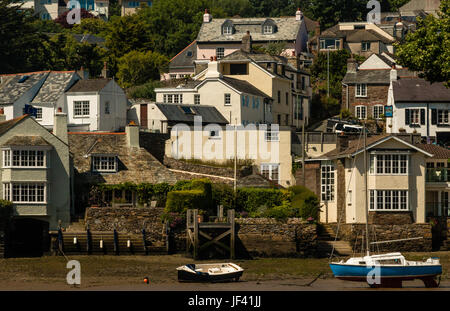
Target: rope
point(345, 196)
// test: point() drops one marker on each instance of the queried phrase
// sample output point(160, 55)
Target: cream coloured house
point(269, 149)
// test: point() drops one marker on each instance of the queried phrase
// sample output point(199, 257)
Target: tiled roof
point(16, 85)
point(175, 113)
point(419, 90)
point(374, 76)
point(26, 141)
point(89, 85)
point(54, 86)
point(354, 146)
point(287, 29)
point(438, 151)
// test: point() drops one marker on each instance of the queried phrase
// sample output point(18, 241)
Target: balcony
point(437, 209)
point(437, 175)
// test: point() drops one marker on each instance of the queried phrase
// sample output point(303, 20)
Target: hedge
point(305, 202)
point(255, 201)
point(6, 211)
point(182, 200)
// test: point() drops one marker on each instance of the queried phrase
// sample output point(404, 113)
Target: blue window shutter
point(406, 116)
point(422, 116)
point(243, 100)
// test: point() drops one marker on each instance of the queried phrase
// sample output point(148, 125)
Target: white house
point(96, 105)
point(419, 107)
point(238, 101)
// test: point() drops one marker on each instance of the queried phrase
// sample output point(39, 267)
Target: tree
point(427, 50)
point(137, 68)
point(21, 46)
point(94, 26)
point(62, 19)
point(329, 13)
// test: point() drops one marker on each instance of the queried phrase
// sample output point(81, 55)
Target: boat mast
point(365, 191)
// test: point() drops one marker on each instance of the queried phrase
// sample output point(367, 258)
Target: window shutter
point(422, 116)
point(434, 116)
point(407, 116)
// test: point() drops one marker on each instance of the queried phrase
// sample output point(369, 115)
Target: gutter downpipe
point(346, 98)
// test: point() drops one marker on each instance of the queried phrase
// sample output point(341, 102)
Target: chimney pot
point(298, 15)
point(207, 17)
point(59, 109)
point(215, 58)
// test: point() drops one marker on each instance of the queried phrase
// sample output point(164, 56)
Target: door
point(144, 116)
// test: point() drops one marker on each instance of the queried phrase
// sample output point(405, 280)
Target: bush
point(305, 203)
point(252, 200)
point(182, 200)
point(222, 194)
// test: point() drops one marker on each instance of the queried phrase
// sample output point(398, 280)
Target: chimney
point(213, 69)
point(399, 29)
point(60, 126)
point(342, 143)
point(298, 15)
point(207, 17)
point(2, 115)
point(132, 132)
point(352, 65)
point(83, 73)
point(317, 30)
point(105, 71)
point(393, 74)
point(247, 42)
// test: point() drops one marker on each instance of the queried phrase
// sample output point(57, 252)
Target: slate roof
point(11, 89)
point(6, 125)
point(374, 76)
point(91, 39)
point(54, 86)
point(175, 113)
point(185, 59)
point(287, 29)
point(419, 90)
point(26, 141)
point(355, 35)
point(89, 85)
point(244, 86)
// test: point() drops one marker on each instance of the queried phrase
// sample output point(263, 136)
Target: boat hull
point(402, 273)
point(185, 276)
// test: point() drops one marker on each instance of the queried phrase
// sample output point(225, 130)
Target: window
point(38, 113)
point(196, 99)
point(227, 99)
point(220, 53)
point(227, 30)
point(172, 76)
point(331, 44)
point(104, 163)
point(389, 164)
point(279, 97)
point(267, 29)
point(133, 4)
point(24, 158)
point(271, 171)
point(271, 135)
point(378, 111)
point(25, 192)
point(365, 46)
point(173, 98)
point(327, 181)
point(81, 108)
point(238, 69)
point(214, 134)
point(107, 108)
point(287, 98)
point(415, 116)
point(388, 200)
point(361, 90)
point(361, 112)
point(247, 100)
point(442, 117)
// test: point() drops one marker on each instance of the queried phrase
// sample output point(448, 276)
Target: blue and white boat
point(385, 270)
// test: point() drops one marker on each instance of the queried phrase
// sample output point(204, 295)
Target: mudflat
point(126, 273)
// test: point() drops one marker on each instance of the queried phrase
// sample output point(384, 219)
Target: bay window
point(388, 200)
point(25, 192)
point(21, 158)
point(389, 164)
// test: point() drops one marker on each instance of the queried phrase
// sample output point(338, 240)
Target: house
point(415, 6)
point(220, 37)
point(361, 38)
point(278, 77)
point(164, 117)
point(182, 65)
point(36, 172)
point(269, 149)
point(130, 7)
point(51, 9)
point(237, 100)
point(420, 107)
point(365, 91)
point(96, 105)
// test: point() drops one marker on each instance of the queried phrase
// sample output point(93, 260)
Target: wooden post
point(232, 232)
point(196, 242)
point(220, 216)
point(188, 230)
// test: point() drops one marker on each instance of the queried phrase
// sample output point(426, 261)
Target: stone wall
point(128, 220)
point(376, 95)
point(312, 177)
point(391, 218)
point(353, 233)
point(268, 237)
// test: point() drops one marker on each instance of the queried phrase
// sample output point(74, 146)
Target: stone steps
point(326, 243)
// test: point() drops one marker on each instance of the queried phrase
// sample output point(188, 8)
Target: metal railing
point(437, 175)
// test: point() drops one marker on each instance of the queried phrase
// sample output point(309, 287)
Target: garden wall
point(385, 232)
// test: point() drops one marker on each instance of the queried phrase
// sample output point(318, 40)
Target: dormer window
point(227, 27)
point(269, 27)
point(104, 163)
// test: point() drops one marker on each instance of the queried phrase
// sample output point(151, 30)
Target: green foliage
point(6, 212)
point(146, 90)
point(255, 201)
point(136, 68)
point(182, 200)
point(272, 48)
point(223, 194)
point(427, 50)
point(345, 114)
point(305, 203)
point(325, 107)
point(94, 26)
point(49, 26)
